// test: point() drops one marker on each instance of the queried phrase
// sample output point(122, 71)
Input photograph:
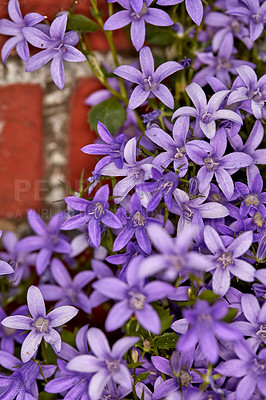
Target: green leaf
point(69, 337)
point(47, 396)
point(142, 377)
point(166, 341)
point(110, 112)
point(209, 296)
point(78, 22)
point(230, 316)
point(165, 317)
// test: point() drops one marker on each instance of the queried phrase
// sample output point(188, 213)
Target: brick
point(80, 133)
point(21, 140)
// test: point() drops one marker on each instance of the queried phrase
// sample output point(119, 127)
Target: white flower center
point(41, 324)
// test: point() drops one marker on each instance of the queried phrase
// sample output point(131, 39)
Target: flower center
point(138, 173)
point(185, 379)
point(61, 48)
point(41, 324)
point(137, 300)
point(211, 164)
point(262, 332)
point(178, 262)
point(188, 213)
point(256, 95)
point(150, 84)
point(206, 118)
point(179, 153)
point(258, 220)
point(138, 220)
point(223, 63)
point(143, 11)
point(236, 26)
point(113, 365)
point(217, 197)
point(252, 200)
point(205, 318)
point(225, 259)
point(95, 209)
point(166, 187)
point(256, 18)
point(259, 366)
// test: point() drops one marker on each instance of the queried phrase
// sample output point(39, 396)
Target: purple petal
point(97, 383)
point(149, 319)
point(197, 95)
point(35, 302)
point(98, 343)
point(251, 308)
point(138, 96)
point(39, 59)
point(54, 339)
point(225, 182)
point(158, 290)
point(213, 240)
point(241, 244)
point(51, 292)
point(14, 11)
point(57, 70)
point(123, 238)
point(111, 220)
point(37, 223)
point(23, 50)
point(82, 279)
point(164, 94)
point(17, 322)
point(129, 73)
point(246, 387)
point(143, 240)
point(30, 345)
point(118, 315)
point(5, 268)
point(146, 61)
point(95, 232)
point(209, 345)
point(137, 33)
point(77, 203)
point(60, 273)
point(216, 100)
point(43, 260)
point(195, 10)
point(72, 54)
point(111, 287)
point(121, 346)
point(75, 222)
point(228, 114)
point(221, 281)
point(58, 27)
point(60, 315)
point(158, 17)
point(117, 20)
point(9, 28)
point(209, 129)
point(33, 18)
point(84, 363)
point(236, 368)
point(38, 39)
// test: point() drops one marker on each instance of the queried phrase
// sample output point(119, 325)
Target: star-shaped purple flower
point(137, 17)
point(14, 28)
point(148, 80)
point(194, 8)
point(59, 46)
point(40, 324)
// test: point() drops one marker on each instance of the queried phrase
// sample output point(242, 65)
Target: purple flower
point(136, 225)
point(148, 81)
point(113, 149)
point(206, 113)
point(134, 298)
point(194, 8)
point(249, 367)
point(254, 326)
point(8, 335)
point(48, 240)
point(205, 326)
point(106, 364)
point(137, 17)
point(92, 213)
point(225, 260)
point(175, 257)
point(254, 13)
point(68, 291)
point(58, 46)
point(250, 91)
point(15, 29)
point(253, 199)
point(21, 384)
point(210, 156)
point(40, 324)
point(75, 383)
point(5, 268)
point(150, 117)
point(135, 172)
point(175, 149)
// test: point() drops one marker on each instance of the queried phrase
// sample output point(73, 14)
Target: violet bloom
point(175, 258)
point(250, 367)
point(92, 213)
point(74, 383)
point(206, 113)
point(163, 187)
point(135, 172)
point(137, 18)
point(21, 384)
point(192, 211)
point(175, 149)
point(194, 8)
point(210, 156)
point(113, 149)
point(136, 225)
point(5, 268)
point(40, 324)
point(254, 13)
point(68, 291)
point(106, 364)
point(15, 29)
point(59, 46)
point(134, 298)
point(250, 147)
point(19, 260)
point(178, 367)
point(225, 260)
point(253, 198)
point(254, 325)
point(250, 91)
point(48, 240)
point(148, 81)
point(204, 327)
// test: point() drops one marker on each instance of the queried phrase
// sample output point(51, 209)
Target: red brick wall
point(37, 122)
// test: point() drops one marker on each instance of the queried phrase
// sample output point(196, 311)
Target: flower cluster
point(165, 249)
